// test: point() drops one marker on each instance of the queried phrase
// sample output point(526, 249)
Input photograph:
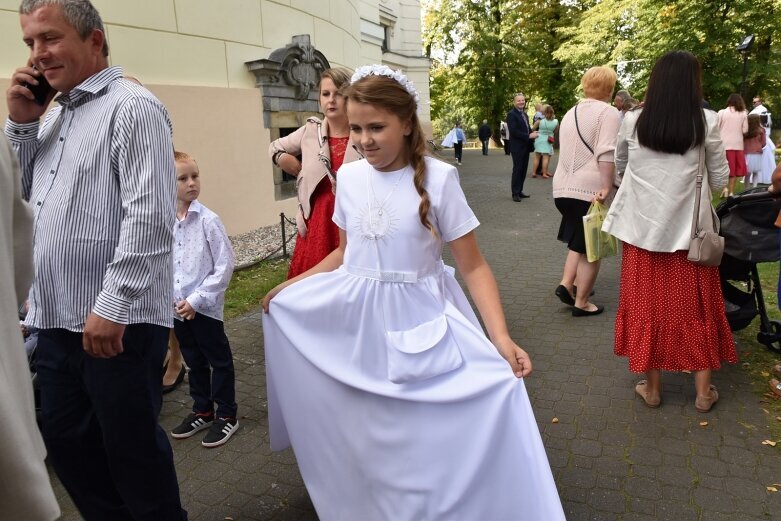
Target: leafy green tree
point(632, 34)
point(489, 49)
point(492, 49)
point(482, 79)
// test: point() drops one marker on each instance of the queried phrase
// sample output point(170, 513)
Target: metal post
point(745, 75)
point(284, 240)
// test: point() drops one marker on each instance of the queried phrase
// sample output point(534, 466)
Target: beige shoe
point(641, 390)
point(724, 193)
point(704, 403)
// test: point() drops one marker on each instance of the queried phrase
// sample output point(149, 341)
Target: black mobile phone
point(40, 91)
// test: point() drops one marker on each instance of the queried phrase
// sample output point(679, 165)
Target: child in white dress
point(396, 404)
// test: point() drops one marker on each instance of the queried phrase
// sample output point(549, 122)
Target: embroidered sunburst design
point(376, 221)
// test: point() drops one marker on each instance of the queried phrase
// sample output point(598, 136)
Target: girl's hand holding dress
point(271, 294)
point(330, 263)
point(485, 293)
point(518, 359)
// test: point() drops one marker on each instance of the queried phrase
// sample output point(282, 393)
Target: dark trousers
point(506, 143)
point(520, 152)
point(458, 147)
point(206, 351)
point(100, 425)
point(485, 147)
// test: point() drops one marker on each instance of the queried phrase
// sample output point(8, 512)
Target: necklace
point(379, 220)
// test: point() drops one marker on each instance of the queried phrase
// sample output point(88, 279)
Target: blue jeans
point(100, 425)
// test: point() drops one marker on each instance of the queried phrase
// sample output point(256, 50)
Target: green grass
point(249, 286)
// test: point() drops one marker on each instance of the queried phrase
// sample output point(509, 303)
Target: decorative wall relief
point(288, 78)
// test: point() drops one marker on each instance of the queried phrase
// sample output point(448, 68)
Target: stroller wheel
point(771, 339)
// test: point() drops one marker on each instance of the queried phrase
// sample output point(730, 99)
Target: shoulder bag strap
point(579, 134)
point(697, 196)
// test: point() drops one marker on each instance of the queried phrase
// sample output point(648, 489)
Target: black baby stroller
point(750, 237)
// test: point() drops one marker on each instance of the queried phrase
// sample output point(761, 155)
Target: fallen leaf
point(555, 420)
point(766, 411)
point(778, 418)
point(775, 484)
point(703, 424)
point(769, 442)
point(772, 489)
point(686, 371)
point(765, 374)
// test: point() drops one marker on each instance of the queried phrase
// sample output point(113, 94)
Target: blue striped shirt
point(100, 176)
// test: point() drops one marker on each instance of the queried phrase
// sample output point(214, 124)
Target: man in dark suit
point(484, 134)
point(521, 139)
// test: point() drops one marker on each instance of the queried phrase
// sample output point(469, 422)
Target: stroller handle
point(734, 200)
point(756, 196)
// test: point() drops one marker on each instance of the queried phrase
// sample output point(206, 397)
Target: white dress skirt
point(395, 403)
point(768, 160)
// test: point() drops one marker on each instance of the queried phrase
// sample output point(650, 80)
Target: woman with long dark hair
point(671, 311)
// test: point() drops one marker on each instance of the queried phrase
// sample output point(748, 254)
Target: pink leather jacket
point(311, 143)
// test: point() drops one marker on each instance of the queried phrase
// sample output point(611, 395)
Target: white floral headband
point(384, 70)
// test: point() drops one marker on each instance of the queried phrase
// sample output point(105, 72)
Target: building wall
point(192, 54)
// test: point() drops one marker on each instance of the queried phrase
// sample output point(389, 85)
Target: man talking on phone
point(99, 175)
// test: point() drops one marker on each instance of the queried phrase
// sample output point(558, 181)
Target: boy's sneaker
point(221, 431)
point(192, 424)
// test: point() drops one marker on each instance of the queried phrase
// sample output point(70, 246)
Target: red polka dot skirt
point(671, 314)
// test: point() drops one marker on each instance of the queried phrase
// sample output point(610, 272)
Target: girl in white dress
point(379, 375)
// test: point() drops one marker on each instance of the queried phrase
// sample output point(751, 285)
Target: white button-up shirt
point(203, 261)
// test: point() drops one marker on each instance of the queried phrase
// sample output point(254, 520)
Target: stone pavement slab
point(612, 457)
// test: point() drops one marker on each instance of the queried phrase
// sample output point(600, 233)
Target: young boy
point(203, 265)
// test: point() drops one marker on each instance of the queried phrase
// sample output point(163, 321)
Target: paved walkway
point(613, 458)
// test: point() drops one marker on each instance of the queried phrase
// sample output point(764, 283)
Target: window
point(386, 29)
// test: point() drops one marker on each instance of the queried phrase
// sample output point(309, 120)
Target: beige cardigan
point(577, 172)
point(25, 492)
point(311, 142)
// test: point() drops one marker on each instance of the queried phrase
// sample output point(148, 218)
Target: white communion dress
point(379, 375)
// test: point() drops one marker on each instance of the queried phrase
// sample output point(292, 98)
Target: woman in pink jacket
point(733, 123)
point(323, 145)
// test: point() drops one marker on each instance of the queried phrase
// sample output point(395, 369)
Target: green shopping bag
point(599, 244)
